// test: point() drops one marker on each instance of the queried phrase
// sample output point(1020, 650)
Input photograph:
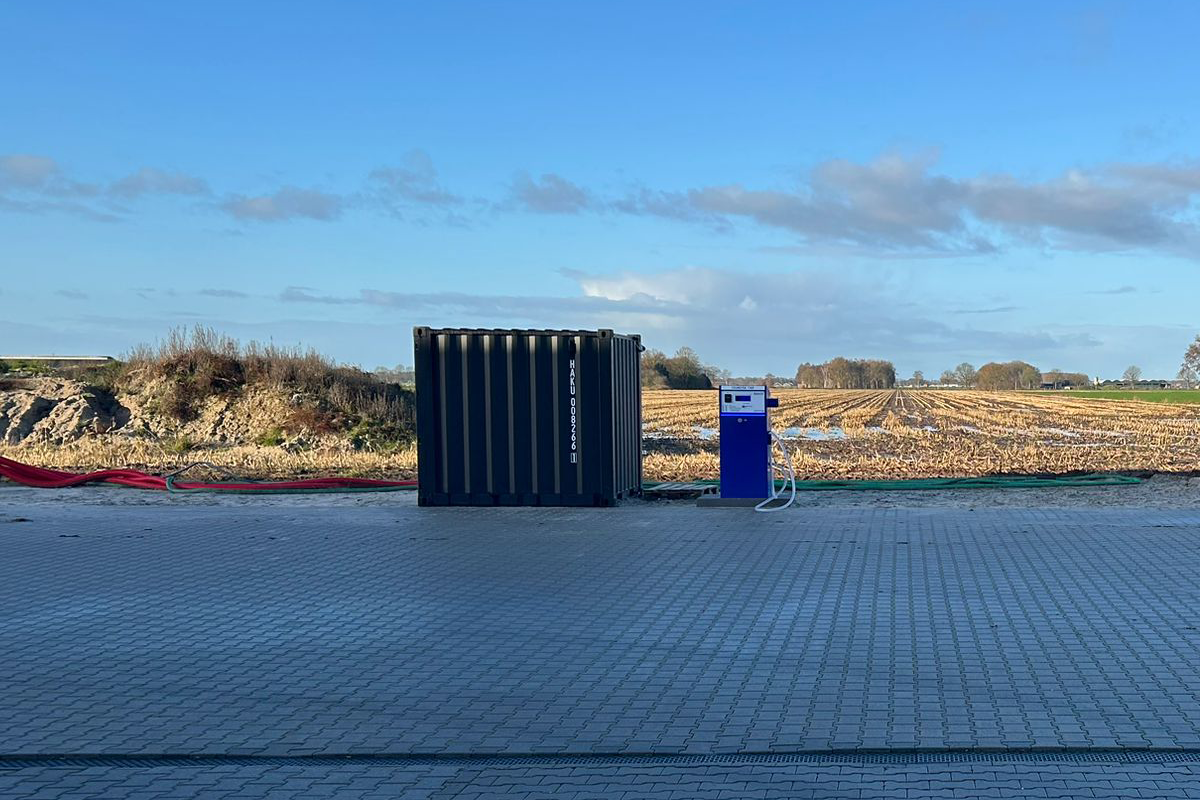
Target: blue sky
point(769, 183)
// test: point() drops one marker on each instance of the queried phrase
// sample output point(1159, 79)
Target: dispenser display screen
point(743, 400)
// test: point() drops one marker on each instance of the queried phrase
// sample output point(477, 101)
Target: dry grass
point(189, 367)
point(251, 461)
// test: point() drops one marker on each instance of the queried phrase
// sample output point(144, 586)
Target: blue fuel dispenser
point(746, 440)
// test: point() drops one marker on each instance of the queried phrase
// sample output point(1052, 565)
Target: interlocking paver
point(281, 628)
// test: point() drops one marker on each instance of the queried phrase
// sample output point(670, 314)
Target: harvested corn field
point(933, 433)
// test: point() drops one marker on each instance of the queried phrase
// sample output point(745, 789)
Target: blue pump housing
point(745, 429)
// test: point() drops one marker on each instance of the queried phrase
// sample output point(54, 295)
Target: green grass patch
point(1145, 395)
point(270, 438)
point(35, 368)
point(178, 445)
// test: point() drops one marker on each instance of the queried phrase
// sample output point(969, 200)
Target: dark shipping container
point(527, 417)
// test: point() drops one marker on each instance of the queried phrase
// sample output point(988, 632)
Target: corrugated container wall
point(527, 417)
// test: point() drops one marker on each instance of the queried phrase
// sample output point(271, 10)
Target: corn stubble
point(865, 434)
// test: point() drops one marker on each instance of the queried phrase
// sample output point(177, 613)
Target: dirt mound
point(60, 411)
point(56, 411)
point(224, 419)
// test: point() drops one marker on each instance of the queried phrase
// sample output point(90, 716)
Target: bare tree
point(1187, 376)
point(1132, 375)
point(400, 373)
point(879, 374)
point(845, 373)
point(1191, 359)
point(810, 376)
point(839, 374)
point(966, 374)
point(717, 375)
point(948, 378)
point(684, 370)
point(1011, 374)
point(918, 378)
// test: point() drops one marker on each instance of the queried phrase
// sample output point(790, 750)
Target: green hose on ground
point(917, 484)
point(914, 484)
point(249, 487)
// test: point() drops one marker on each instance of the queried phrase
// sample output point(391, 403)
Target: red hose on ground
point(42, 478)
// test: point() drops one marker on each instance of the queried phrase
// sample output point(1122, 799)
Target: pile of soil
point(56, 411)
point(60, 411)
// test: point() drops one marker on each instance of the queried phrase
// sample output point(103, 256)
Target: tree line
point(1011, 375)
point(685, 370)
point(1008, 375)
point(846, 373)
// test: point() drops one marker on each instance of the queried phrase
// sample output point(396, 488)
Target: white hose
point(786, 470)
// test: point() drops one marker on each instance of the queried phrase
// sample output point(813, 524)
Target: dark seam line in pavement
point(898, 756)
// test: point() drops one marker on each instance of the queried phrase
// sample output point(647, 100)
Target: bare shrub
point(313, 420)
point(200, 363)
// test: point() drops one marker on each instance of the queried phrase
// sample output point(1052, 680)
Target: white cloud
point(289, 202)
point(414, 181)
point(899, 204)
point(1127, 289)
point(894, 205)
point(889, 202)
point(26, 171)
point(775, 320)
point(791, 317)
point(228, 294)
point(750, 322)
point(33, 184)
point(550, 194)
point(149, 180)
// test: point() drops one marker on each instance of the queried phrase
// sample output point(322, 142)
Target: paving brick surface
point(292, 629)
point(641, 629)
point(623, 781)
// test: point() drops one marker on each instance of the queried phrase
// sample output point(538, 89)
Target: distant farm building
point(1111, 384)
point(1057, 379)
